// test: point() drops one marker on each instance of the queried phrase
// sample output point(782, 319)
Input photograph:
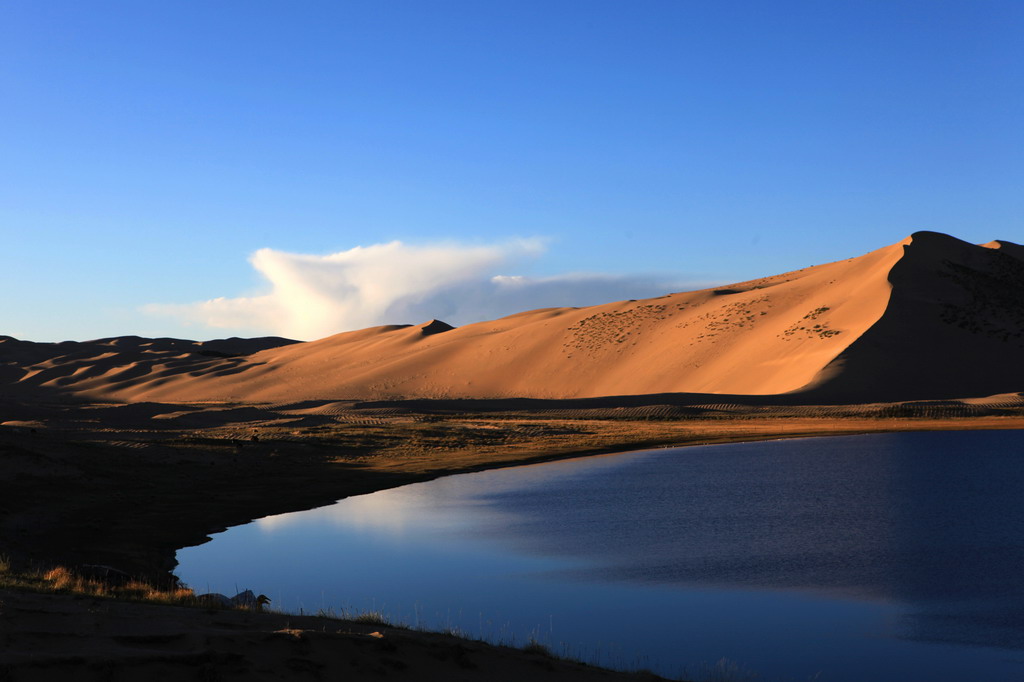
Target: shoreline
point(66, 636)
point(128, 485)
point(155, 484)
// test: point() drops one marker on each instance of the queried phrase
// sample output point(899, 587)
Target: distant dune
point(929, 317)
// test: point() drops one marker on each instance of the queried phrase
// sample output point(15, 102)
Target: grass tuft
point(726, 671)
point(370, 618)
point(535, 647)
point(61, 580)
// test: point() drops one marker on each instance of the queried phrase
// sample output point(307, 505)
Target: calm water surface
point(883, 557)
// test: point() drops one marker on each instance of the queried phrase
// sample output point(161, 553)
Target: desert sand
point(929, 317)
point(120, 451)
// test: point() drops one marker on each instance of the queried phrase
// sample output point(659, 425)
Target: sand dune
point(107, 365)
point(928, 317)
point(954, 326)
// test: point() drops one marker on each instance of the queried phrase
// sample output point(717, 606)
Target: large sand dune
point(928, 317)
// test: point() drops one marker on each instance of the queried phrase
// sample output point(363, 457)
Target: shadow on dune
point(71, 369)
point(954, 327)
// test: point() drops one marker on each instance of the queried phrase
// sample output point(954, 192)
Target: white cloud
point(314, 296)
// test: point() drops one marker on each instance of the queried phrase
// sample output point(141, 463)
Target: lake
point(881, 557)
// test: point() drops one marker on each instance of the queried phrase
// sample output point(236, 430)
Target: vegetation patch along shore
point(127, 485)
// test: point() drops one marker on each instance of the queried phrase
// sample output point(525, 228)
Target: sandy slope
point(109, 365)
point(757, 337)
point(928, 317)
point(954, 326)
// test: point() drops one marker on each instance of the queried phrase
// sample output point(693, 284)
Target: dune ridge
point(929, 317)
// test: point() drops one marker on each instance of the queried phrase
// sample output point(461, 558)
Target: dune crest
point(928, 317)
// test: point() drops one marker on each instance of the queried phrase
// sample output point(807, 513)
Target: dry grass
point(370, 618)
point(537, 648)
point(725, 670)
point(456, 443)
point(61, 580)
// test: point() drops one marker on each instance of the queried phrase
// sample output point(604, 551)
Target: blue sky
point(149, 150)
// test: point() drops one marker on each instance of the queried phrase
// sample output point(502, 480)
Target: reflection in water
point(859, 557)
point(931, 520)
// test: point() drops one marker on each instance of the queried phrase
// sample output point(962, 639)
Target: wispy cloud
point(313, 296)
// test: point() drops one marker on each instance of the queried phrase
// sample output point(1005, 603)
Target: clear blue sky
point(149, 148)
